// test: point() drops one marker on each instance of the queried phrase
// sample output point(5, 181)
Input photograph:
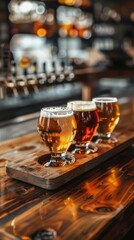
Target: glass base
point(90, 148)
point(105, 139)
point(48, 161)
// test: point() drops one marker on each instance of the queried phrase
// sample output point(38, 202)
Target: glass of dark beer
point(109, 115)
point(57, 127)
point(87, 119)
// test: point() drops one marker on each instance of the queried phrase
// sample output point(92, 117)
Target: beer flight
point(76, 124)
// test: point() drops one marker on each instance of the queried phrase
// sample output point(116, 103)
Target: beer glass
point(57, 127)
point(87, 119)
point(109, 115)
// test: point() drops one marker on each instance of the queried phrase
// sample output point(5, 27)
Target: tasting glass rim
point(80, 101)
point(56, 111)
point(105, 99)
point(82, 104)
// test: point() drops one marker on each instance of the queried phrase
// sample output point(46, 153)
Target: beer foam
point(105, 99)
point(56, 112)
point(82, 105)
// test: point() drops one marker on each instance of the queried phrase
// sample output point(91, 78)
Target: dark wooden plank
point(22, 156)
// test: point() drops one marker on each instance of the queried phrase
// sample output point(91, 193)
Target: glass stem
point(105, 136)
point(57, 156)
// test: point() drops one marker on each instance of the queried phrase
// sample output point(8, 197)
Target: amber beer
point(86, 116)
point(57, 128)
point(109, 114)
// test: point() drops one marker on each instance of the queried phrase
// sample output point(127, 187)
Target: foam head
point(82, 105)
point(56, 112)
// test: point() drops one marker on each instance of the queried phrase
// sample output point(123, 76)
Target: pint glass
point(109, 115)
point(87, 119)
point(57, 127)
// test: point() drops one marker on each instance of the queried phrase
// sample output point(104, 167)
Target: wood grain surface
point(23, 155)
point(97, 205)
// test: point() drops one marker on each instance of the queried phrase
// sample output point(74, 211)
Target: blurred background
point(47, 46)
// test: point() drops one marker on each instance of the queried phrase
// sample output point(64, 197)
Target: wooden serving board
point(22, 157)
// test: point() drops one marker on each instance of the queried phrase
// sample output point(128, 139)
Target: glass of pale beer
point(109, 115)
point(57, 127)
point(87, 119)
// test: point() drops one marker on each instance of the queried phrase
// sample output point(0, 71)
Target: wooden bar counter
point(96, 205)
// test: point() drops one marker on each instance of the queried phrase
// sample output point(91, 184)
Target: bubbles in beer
point(86, 116)
point(109, 115)
point(56, 128)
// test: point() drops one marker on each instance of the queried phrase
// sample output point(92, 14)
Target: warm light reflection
point(113, 180)
point(41, 32)
point(71, 206)
point(15, 232)
point(91, 188)
point(111, 183)
point(73, 33)
point(25, 62)
point(85, 3)
point(67, 2)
